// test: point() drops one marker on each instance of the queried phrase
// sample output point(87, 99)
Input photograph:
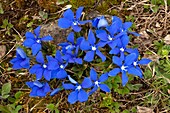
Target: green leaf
point(6, 88)
point(155, 8)
point(18, 108)
point(5, 96)
point(18, 94)
point(50, 107)
point(4, 109)
point(1, 9)
point(43, 14)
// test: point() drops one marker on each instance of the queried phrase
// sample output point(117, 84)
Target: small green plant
point(5, 90)
point(7, 27)
point(53, 108)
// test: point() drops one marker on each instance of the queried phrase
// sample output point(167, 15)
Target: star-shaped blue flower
point(137, 62)
point(91, 48)
point(38, 89)
point(125, 66)
point(43, 68)
point(97, 82)
point(78, 93)
point(60, 72)
point(99, 22)
point(69, 20)
point(34, 41)
point(21, 60)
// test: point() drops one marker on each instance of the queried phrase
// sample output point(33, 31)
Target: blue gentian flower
point(38, 89)
point(97, 82)
point(60, 72)
point(69, 20)
point(125, 66)
point(137, 62)
point(99, 22)
point(91, 48)
point(21, 60)
point(34, 41)
point(43, 68)
point(78, 93)
point(122, 28)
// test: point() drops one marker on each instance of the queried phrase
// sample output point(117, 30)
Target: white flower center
point(78, 87)
point(69, 46)
point(123, 68)
point(93, 48)
point(75, 23)
point(97, 83)
point(135, 63)
point(44, 66)
point(122, 49)
point(61, 66)
point(110, 38)
point(38, 41)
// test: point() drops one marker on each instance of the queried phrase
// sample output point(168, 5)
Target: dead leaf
point(2, 50)
point(167, 39)
point(141, 109)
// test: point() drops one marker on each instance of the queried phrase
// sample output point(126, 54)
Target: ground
point(151, 19)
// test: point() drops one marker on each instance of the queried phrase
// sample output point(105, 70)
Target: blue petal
point(14, 60)
point(79, 40)
point(76, 28)
point(33, 93)
point(21, 52)
point(89, 56)
point(37, 31)
point(102, 22)
point(134, 71)
point(46, 38)
point(117, 20)
point(55, 91)
point(79, 12)
point(114, 72)
point(134, 33)
point(104, 88)
point(101, 44)
point(130, 59)
point(84, 22)
point(144, 61)
point(41, 93)
point(68, 86)
point(127, 25)
point(103, 77)
point(38, 84)
point(124, 78)
point(116, 60)
point(17, 65)
point(93, 90)
point(58, 56)
point(103, 36)
point(46, 88)
point(87, 83)
point(28, 42)
point(113, 43)
point(69, 14)
point(79, 61)
point(39, 73)
point(64, 23)
point(93, 75)
point(70, 37)
point(72, 80)
point(73, 97)
point(112, 29)
point(35, 48)
point(82, 96)
point(25, 63)
point(29, 35)
point(30, 84)
point(91, 37)
point(40, 58)
point(125, 40)
point(100, 55)
point(53, 65)
point(61, 74)
point(84, 45)
point(47, 74)
point(34, 68)
point(114, 51)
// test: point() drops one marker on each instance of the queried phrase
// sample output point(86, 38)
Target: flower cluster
point(113, 37)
